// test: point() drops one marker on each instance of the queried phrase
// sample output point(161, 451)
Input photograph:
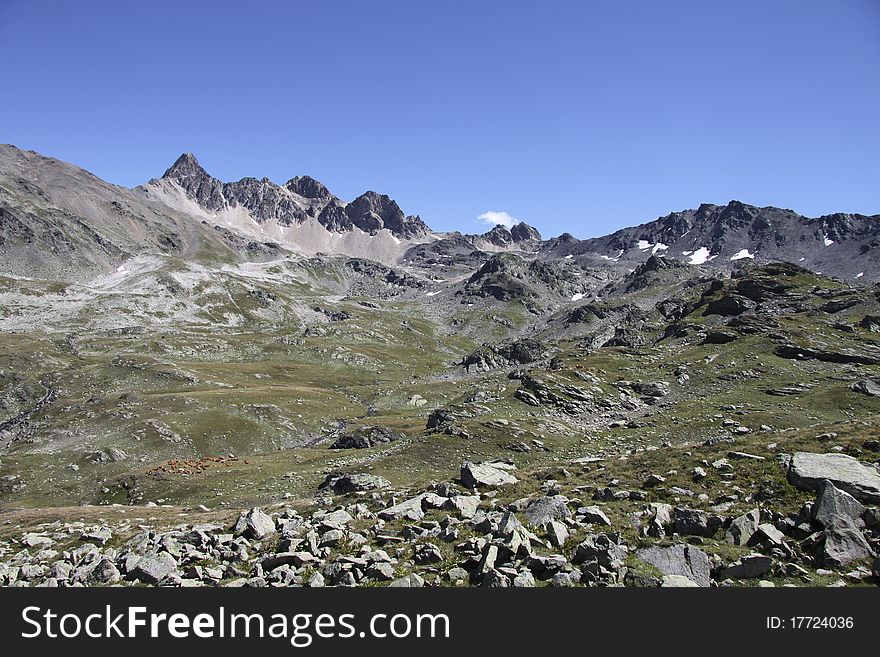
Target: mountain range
point(50, 210)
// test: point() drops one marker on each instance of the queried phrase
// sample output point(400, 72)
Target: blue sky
point(573, 116)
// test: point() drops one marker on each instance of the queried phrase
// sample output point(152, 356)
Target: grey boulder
point(809, 471)
point(679, 560)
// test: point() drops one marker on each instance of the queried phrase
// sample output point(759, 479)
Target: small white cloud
point(498, 219)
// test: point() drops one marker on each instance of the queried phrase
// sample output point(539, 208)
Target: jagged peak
point(523, 231)
point(308, 187)
point(185, 165)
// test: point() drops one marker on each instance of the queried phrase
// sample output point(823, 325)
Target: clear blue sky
point(578, 116)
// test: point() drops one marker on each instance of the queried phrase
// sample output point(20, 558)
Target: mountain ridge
point(264, 218)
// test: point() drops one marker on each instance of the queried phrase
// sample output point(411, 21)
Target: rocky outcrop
point(810, 471)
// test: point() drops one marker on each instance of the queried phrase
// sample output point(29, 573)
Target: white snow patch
point(828, 242)
point(659, 246)
point(569, 256)
point(578, 296)
point(860, 274)
point(741, 255)
point(644, 245)
point(433, 294)
point(701, 256)
point(802, 259)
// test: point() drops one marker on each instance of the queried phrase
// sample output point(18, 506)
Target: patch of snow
point(433, 294)
point(701, 256)
point(802, 259)
point(659, 246)
point(644, 245)
point(569, 256)
point(860, 274)
point(827, 241)
point(742, 255)
point(577, 297)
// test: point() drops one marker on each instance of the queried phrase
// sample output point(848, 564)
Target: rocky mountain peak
point(185, 166)
point(499, 236)
point(308, 187)
point(522, 231)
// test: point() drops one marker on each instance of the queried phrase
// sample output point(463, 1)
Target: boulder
point(409, 581)
point(557, 533)
point(661, 519)
point(837, 508)
point(749, 567)
point(870, 387)
point(486, 475)
point(678, 560)
point(601, 550)
point(153, 568)
point(743, 528)
point(464, 505)
point(843, 545)
point(594, 515)
point(678, 581)
point(410, 509)
point(809, 471)
point(427, 553)
point(693, 522)
point(542, 510)
point(342, 484)
point(258, 524)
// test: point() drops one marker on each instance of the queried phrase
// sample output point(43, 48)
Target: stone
point(542, 510)
point(486, 475)
point(679, 559)
point(106, 572)
point(487, 562)
point(844, 545)
point(37, 541)
point(380, 572)
point(427, 553)
point(316, 581)
point(557, 533)
point(342, 484)
point(600, 549)
point(153, 568)
point(748, 567)
point(870, 387)
point(258, 524)
point(654, 480)
point(594, 515)
point(809, 471)
point(409, 581)
point(524, 580)
point(767, 533)
point(495, 579)
point(742, 528)
point(837, 508)
point(464, 505)
point(100, 535)
point(562, 580)
point(693, 522)
point(678, 581)
point(410, 509)
point(660, 520)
